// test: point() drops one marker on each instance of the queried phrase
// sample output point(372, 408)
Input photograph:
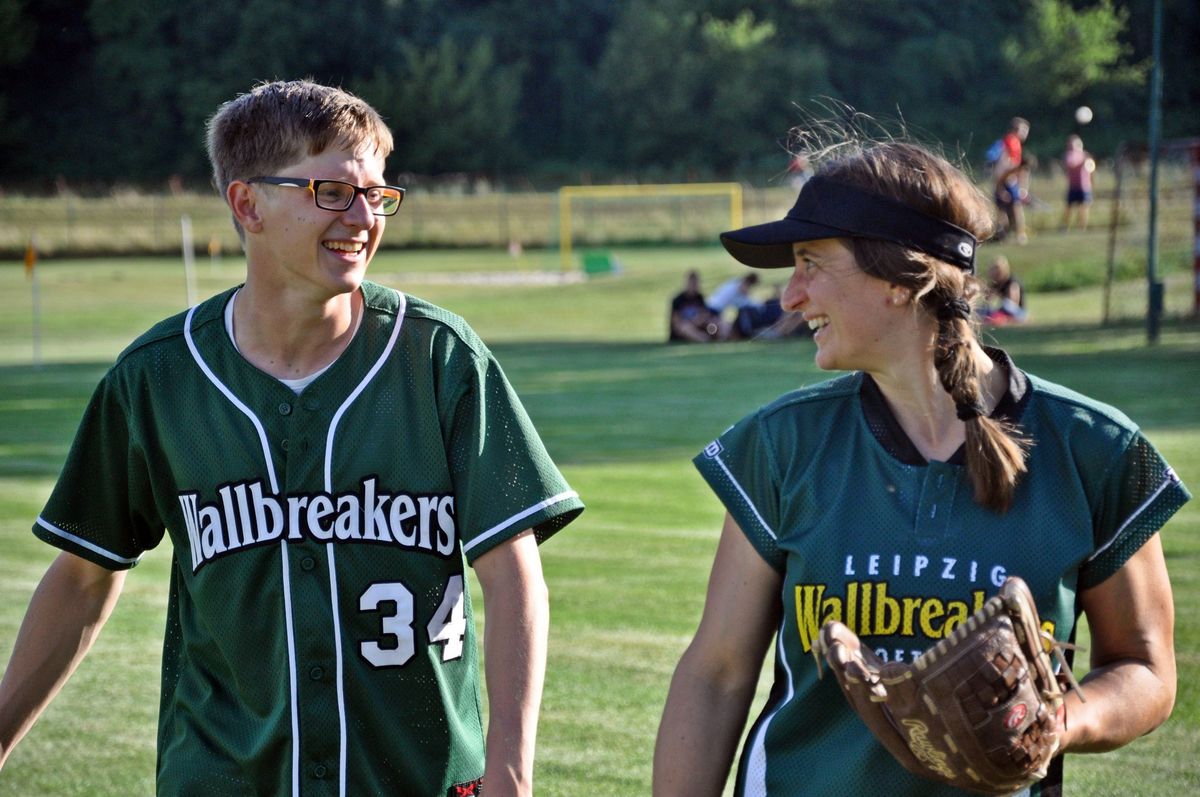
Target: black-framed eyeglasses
point(384, 200)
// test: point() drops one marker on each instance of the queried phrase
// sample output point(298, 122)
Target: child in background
point(1079, 166)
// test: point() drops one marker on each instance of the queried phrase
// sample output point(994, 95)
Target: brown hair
point(927, 182)
point(276, 124)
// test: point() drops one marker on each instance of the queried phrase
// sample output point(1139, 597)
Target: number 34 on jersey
point(397, 643)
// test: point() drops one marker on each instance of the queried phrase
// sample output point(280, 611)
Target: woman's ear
point(899, 295)
point(243, 201)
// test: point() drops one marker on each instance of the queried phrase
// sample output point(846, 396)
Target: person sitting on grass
point(733, 293)
point(1008, 292)
point(691, 319)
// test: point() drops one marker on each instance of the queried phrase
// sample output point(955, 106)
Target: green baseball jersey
point(834, 496)
point(319, 636)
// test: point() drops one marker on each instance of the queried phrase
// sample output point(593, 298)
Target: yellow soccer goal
point(673, 212)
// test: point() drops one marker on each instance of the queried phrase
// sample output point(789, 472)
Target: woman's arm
point(1131, 687)
point(716, 678)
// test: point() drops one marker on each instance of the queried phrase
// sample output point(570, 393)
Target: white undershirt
point(297, 385)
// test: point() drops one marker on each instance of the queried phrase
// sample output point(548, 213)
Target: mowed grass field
point(622, 414)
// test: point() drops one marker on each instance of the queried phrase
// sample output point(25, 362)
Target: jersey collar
point(891, 436)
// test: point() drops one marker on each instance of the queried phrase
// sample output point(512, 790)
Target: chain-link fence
point(1127, 220)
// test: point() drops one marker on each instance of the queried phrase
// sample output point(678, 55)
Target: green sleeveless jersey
point(831, 493)
point(319, 636)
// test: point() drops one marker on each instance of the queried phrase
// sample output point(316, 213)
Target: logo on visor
point(965, 249)
point(713, 449)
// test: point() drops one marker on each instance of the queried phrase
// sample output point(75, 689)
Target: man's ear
point(243, 201)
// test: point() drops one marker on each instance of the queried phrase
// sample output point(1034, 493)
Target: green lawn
point(622, 414)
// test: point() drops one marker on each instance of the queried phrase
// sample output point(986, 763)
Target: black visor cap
point(831, 209)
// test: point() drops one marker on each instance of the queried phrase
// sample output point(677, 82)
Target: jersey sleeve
point(1139, 494)
point(740, 469)
point(505, 481)
point(102, 507)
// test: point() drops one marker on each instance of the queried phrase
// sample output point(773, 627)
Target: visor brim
point(827, 208)
point(770, 245)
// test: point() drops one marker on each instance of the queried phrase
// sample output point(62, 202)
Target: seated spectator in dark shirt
point(691, 319)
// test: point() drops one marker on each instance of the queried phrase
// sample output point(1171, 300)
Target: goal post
point(568, 193)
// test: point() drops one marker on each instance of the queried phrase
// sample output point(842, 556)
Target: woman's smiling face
point(847, 309)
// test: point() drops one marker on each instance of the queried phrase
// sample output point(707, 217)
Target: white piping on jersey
point(1170, 478)
point(538, 507)
point(234, 400)
point(341, 680)
point(81, 542)
point(756, 763)
point(283, 546)
point(337, 416)
point(745, 498)
point(291, 646)
point(333, 587)
point(295, 385)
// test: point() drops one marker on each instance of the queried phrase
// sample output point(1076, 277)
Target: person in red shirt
point(1009, 174)
point(1018, 131)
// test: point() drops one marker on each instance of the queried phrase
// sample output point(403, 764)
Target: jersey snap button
point(307, 563)
point(316, 673)
point(319, 771)
point(285, 408)
point(284, 444)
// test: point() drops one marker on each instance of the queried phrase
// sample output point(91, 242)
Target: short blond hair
point(276, 124)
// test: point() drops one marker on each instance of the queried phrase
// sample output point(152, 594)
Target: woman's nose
point(795, 293)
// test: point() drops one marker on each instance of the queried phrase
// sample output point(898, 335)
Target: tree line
point(103, 92)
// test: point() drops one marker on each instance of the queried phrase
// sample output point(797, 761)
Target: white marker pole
point(37, 317)
point(35, 298)
point(189, 259)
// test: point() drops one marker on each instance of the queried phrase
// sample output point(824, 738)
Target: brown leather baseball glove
point(981, 710)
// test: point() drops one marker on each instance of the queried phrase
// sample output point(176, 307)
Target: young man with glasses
point(326, 454)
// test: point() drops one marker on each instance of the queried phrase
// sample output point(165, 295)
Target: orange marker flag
point(31, 257)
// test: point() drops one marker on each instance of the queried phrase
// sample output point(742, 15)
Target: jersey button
point(307, 563)
point(285, 408)
point(284, 444)
point(319, 771)
point(316, 673)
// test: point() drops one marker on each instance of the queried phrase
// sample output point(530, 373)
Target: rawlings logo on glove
point(981, 710)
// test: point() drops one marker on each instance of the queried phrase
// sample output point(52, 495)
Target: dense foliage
point(98, 92)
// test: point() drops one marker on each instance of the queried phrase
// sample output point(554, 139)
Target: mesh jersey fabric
point(319, 637)
point(897, 549)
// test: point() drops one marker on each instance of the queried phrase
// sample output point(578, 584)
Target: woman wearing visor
point(898, 496)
